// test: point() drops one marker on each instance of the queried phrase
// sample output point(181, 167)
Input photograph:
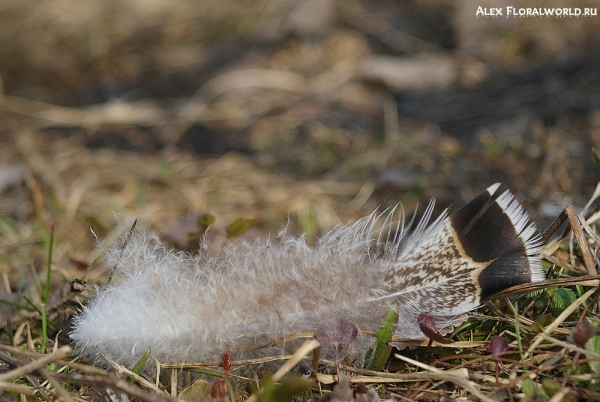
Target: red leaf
point(427, 326)
point(337, 334)
point(580, 334)
point(79, 264)
point(498, 345)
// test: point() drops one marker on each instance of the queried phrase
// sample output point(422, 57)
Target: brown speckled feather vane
point(458, 262)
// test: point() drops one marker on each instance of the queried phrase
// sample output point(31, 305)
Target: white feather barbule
point(190, 308)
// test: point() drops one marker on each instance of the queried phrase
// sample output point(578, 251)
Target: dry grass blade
point(307, 347)
point(32, 371)
point(539, 338)
point(110, 380)
point(434, 375)
point(301, 353)
point(587, 280)
point(60, 392)
point(559, 395)
point(570, 346)
point(457, 378)
point(92, 376)
point(20, 389)
point(36, 364)
point(455, 345)
point(125, 371)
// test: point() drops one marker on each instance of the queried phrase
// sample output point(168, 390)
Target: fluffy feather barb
point(189, 308)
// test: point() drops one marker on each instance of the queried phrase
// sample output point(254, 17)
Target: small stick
point(569, 213)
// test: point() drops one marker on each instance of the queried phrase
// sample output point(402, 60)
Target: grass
point(38, 365)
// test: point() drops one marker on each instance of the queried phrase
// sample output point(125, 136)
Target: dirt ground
point(303, 113)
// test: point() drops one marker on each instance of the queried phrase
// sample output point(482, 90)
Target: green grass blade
point(33, 306)
point(41, 313)
point(36, 278)
point(384, 335)
point(139, 366)
point(13, 305)
point(518, 333)
point(44, 329)
point(46, 296)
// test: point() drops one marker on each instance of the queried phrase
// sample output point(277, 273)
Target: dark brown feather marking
point(493, 240)
point(458, 261)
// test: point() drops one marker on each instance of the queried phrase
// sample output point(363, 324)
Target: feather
point(190, 308)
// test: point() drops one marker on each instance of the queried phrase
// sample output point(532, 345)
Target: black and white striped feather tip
point(459, 261)
point(190, 308)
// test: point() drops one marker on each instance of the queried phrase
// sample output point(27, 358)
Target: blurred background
point(304, 113)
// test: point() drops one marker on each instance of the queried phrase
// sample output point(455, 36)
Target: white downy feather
point(190, 308)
